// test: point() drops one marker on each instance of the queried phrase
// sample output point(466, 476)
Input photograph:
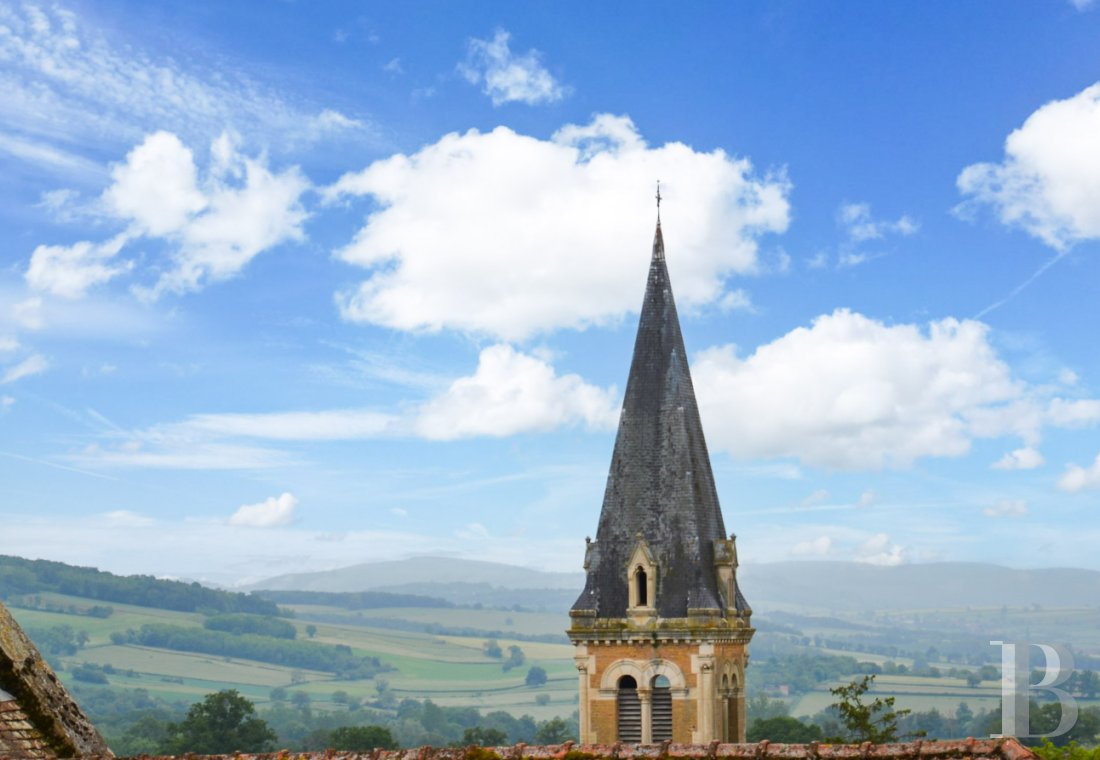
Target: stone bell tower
point(661, 629)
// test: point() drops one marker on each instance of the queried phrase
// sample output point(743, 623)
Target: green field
point(450, 670)
point(453, 670)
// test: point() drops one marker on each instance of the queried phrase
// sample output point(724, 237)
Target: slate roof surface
point(660, 482)
point(38, 718)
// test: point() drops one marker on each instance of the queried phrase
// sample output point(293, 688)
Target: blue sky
point(289, 286)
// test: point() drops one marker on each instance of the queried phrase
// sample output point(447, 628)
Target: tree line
point(136, 723)
point(24, 576)
point(241, 623)
point(337, 659)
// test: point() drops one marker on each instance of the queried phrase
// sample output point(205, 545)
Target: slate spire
point(660, 487)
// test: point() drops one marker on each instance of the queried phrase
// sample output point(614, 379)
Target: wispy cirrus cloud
point(70, 270)
point(1007, 508)
point(34, 364)
point(861, 230)
point(171, 450)
point(860, 225)
point(509, 393)
point(69, 87)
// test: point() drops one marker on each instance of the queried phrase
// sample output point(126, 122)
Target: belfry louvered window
point(662, 709)
point(630, 711)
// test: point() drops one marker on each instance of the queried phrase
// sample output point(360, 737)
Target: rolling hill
point(805, 587)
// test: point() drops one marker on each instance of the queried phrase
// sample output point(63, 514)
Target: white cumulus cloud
point(510, 235)
point(157, 186)
point(1049, 180)
point(241, 208)
point(1026, 458)
point(269, 513)
point(1077, 478)
point(506, 77)
point(880, 550)
point(213, 224)
point(512, 392)
point(852, 392)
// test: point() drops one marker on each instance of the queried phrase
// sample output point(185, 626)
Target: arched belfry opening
point(628, 711)
point(733, 705)
point(661, 705)
point(661, 629)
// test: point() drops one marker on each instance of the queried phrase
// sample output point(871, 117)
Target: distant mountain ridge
point(806, 586)
point(421, 571)
point(854, 586)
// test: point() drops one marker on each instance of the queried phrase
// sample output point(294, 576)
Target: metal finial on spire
point(658, 201)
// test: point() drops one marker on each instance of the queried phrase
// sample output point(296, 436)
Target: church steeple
point(660, 484)
point(661, 629)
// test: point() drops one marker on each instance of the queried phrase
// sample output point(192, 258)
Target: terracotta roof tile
point(38, 718)
point(18, 738)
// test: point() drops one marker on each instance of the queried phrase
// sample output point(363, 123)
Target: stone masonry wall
point(604, 714)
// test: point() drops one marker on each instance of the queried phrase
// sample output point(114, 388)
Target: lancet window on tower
point(641, 578)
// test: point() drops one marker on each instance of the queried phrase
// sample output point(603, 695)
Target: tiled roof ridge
point(1004, 749)
point(17, 734)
